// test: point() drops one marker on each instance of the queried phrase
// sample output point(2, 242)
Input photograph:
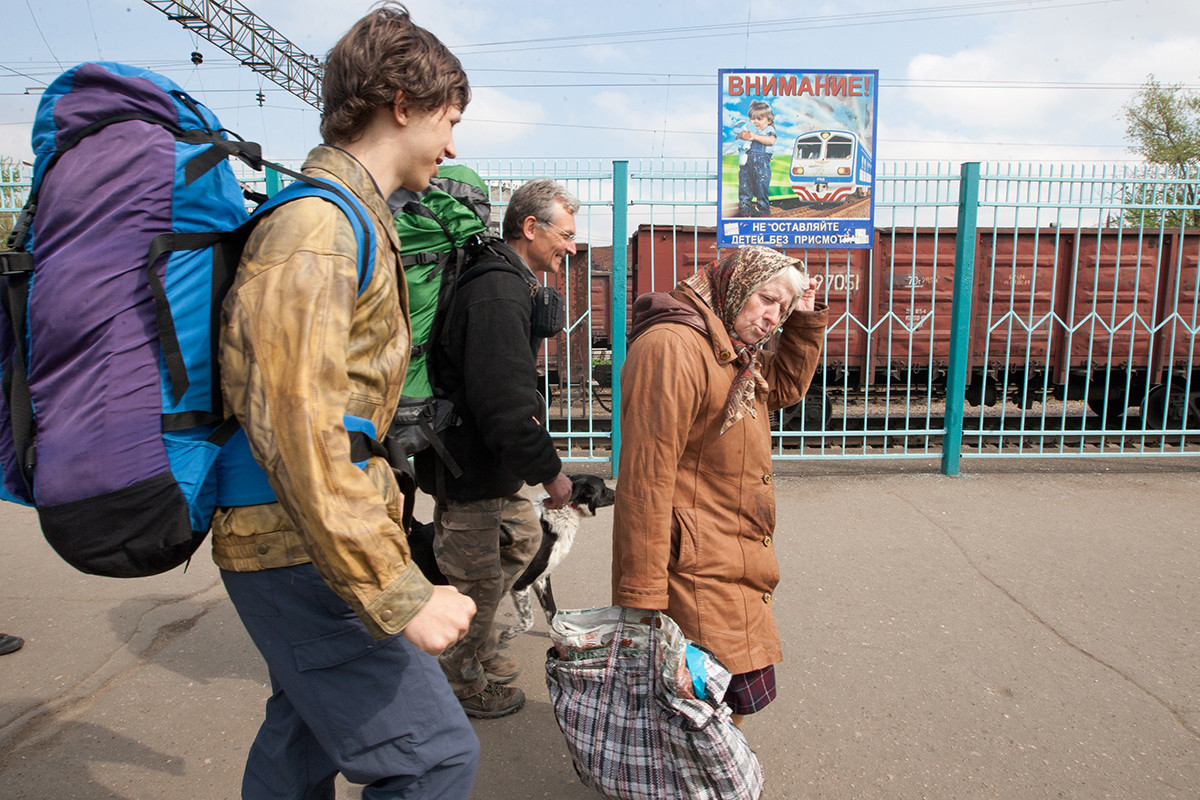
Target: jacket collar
point(683, 306)
point(718, 337)
point(349, 171)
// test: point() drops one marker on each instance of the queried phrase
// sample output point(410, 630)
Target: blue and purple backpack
point(111, 417)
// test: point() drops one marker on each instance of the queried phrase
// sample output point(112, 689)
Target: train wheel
point(985, 392)
point(1167, 410)
point(1112, 404)
point(1154, 410)
point(811, 414)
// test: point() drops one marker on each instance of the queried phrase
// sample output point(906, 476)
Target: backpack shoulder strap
point(226, 264)
point(351, 206)
point(504, 259)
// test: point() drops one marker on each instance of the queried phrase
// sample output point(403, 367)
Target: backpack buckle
point(15, 262)
point(20, 228)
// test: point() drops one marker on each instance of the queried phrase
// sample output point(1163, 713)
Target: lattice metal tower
point(239, 32)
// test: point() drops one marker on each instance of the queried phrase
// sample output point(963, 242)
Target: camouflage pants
point(482, 547)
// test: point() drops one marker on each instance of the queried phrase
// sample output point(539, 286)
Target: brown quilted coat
point(694, 523)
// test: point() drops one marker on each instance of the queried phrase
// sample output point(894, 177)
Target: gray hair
point(796, 277)
point(538, 199)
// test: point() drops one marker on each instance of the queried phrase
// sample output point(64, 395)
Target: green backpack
point(435, 228)
point(441, 230)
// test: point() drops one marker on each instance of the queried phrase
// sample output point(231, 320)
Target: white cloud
point(495, 118)
point(14, 141)
point(1118, 43)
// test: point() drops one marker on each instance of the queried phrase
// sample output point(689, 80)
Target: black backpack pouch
point(549, 313)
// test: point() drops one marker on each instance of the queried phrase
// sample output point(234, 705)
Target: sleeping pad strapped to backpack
point(111, 417)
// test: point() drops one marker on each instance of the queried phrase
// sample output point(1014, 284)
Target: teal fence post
point(274, 182)
point(620, 293)
point(960, 316)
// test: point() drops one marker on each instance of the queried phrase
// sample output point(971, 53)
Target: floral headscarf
point(725, 286)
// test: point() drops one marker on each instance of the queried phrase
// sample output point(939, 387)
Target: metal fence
point(1004, 310)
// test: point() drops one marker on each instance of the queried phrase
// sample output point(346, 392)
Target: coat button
point(386, 614)
point(767, 478)
point(766, 541)
point(767, 598)
point(726, 355)
point(262, 549)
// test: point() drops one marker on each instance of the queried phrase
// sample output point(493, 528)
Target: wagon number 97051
point(838, 282)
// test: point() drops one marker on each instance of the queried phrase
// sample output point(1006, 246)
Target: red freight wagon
point(1104, 314)
point(842, 279)
point(1013, 321)
point(913, 275)
point(588, 301)
point(1108, 304)
point(1175, 387)
point(663, 256)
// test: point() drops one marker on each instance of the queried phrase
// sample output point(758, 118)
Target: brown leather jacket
point(300, 349)
point(694, 523)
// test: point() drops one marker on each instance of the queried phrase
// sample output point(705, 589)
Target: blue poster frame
point(807, 136)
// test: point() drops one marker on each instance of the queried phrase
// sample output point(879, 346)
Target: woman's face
point(763, 311)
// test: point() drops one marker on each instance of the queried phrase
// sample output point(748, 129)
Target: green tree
point(1162, 125)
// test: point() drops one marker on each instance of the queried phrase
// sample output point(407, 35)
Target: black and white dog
point(559, 526)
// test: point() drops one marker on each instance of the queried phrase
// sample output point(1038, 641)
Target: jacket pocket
point(684, 540)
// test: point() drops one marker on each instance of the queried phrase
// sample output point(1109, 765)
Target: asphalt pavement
point(1027, 630)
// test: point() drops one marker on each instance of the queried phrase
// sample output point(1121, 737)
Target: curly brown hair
point(384, 53)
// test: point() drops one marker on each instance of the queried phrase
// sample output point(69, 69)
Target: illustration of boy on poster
point(797, 158)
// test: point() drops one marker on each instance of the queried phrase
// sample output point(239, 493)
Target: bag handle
point(657, 770)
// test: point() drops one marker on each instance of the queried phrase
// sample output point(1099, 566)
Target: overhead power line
point(811, 22)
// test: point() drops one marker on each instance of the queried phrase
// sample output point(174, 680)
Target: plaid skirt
point(751, 691)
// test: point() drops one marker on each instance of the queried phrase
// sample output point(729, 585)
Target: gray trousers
point(482, 547)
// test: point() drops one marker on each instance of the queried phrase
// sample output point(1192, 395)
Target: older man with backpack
point(485, 362)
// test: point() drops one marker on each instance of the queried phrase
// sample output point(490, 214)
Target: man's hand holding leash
point(559, 490)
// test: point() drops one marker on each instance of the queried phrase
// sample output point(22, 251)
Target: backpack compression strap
point(16, 264)
point(224, 267)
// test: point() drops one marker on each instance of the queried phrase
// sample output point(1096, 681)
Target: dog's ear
point(579, 487)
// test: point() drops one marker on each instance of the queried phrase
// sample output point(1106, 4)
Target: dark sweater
point(487, 365)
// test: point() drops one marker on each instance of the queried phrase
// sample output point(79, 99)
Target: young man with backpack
point(323, 579)
point(486, 364)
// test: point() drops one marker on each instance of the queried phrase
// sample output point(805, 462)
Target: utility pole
point(242, 34)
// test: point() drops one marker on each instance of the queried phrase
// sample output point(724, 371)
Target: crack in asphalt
point(1178, 715)
point(40, 726)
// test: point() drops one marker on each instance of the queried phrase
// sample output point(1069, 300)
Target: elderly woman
point(695, 513)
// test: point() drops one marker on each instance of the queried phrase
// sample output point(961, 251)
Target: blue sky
point(1035, 80)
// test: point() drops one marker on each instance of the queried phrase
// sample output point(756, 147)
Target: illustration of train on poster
point(797, 166)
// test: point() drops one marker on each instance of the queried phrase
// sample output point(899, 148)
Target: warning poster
point(796, 154)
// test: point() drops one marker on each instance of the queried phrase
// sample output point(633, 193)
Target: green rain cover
point(432, 225)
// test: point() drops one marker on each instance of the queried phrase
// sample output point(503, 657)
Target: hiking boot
point(10, 644)
point(501, 670)
point(494, 701)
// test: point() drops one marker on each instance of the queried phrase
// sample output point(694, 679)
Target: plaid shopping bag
point(630, 715)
